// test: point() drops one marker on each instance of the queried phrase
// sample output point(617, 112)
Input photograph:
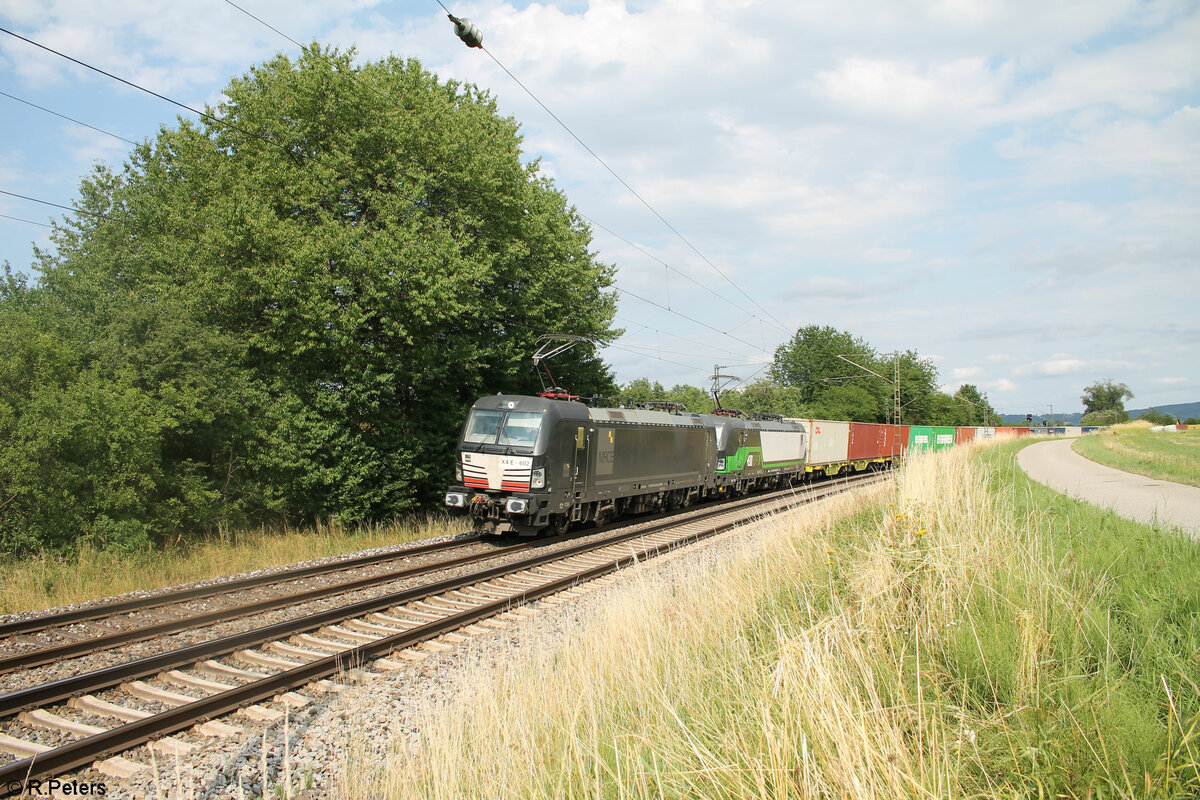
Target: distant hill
point(1180, 411)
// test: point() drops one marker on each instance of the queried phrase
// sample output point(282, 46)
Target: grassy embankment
point(967, 634)
point(47, 582)
point(1133, 448)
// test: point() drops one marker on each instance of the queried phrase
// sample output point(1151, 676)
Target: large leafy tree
point(809, 360)
point(324, 275)
point(830, 388)
point(1106, 395)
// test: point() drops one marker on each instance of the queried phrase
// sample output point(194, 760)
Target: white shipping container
point(828, 441)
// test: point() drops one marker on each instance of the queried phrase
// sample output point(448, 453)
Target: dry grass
point(48, 582)
point(933, 642)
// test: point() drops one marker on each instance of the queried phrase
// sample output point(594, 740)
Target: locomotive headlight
point(458, 472)
point(720, 464)
point(456, 499)
point(516, 505)
point(537, 479)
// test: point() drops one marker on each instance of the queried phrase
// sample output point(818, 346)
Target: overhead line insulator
point(467, 31)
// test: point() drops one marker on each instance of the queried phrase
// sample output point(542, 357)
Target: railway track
point(174, 596)
point(154, 697)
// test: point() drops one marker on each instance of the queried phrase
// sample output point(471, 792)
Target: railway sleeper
point(353, 635)
point(39, 718)
point(264, 660)
point(193, 682)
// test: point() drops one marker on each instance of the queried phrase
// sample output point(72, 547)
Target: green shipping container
point(920, 438)
point(943, 438)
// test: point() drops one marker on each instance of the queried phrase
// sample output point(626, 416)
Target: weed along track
point(52, 728)
point(17, 634)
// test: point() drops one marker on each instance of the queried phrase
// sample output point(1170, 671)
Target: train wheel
point(558, 524)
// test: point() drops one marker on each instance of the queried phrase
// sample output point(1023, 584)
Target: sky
point(1010, 188)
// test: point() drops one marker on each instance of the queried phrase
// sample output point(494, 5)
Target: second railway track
point(53, 728)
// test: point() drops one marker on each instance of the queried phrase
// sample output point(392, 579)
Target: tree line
point(808, 379)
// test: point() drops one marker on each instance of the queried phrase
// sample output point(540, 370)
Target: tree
point(768, 397)
point(979, 410)
point(642, 390)
point(809, 360)
point(1105, 396)
point(693, 398)
point(359, 251)
point(1156, 417)
point(848, 402)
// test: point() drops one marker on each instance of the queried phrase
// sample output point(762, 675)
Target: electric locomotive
point(538, 464)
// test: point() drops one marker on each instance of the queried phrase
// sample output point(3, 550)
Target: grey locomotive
point(536, 464)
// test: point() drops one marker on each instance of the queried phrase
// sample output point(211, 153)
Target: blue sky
point(1010, 188)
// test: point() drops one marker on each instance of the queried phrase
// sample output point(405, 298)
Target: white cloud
point(1012, 184)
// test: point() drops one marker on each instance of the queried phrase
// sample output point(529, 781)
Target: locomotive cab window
point(514, 428)
point(482, 426)
point(720, 436)
point(521, 428)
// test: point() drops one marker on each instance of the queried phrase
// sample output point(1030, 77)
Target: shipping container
point(920, 438)
point(828, 441)
point(1012, 432)
point(943, 438)
point(964, 435)
point(870, 441)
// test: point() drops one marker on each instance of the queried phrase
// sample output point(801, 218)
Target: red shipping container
point(962, 435)
point(869, 440)
point(1011, 432)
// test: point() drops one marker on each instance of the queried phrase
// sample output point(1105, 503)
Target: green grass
point(968, 633)
point(1165, 456)
point(46, 582)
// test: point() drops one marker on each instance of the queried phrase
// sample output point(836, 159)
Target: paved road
point(1134, 496)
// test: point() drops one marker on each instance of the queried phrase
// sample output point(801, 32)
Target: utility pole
point(895, 382)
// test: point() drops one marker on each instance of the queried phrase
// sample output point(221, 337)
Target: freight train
point(534, 465)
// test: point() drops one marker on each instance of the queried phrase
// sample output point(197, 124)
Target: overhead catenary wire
point(667, 307)
point(625, 183)
point(56, 205)
point(264, 23)
point(676, 270)
point(22, 219)
point(203, 114)
point(69, 119)
point(688, 318)
point(722, 353)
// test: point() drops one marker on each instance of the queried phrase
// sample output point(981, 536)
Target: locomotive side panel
point(635, 458)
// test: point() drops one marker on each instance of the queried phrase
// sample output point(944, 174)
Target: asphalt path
point(1132, 496)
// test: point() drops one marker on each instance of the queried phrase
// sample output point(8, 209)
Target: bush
point(1157, 417)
